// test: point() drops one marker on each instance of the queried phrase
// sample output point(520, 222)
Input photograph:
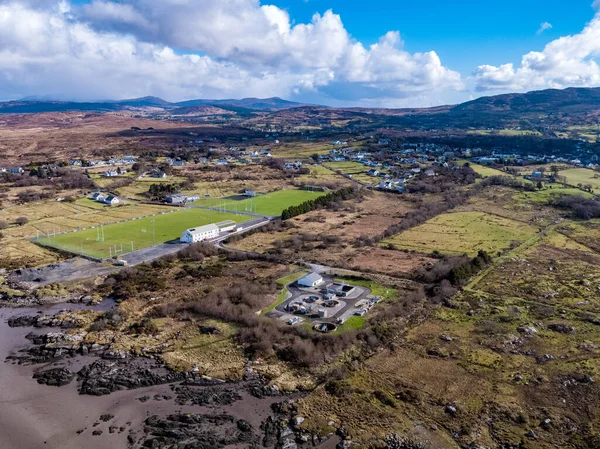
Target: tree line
point(326, 200)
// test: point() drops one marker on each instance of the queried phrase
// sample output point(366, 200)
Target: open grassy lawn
point(576, 176)
point(271, 204)
point(299, 150)
point(463, 232)
point(168, 226)
point(545, 195)
point(318, 174)
point(487, 171)
point(348, 167)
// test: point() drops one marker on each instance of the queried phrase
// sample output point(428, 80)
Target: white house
point(110, 173)
point(97, 196)
point(200, 233)
point(111, 200)
point(310, 280)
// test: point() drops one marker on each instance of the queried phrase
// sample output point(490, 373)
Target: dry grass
point(463, 232)
point(366, 218)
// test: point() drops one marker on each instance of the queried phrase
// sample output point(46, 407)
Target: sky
point(381, 53)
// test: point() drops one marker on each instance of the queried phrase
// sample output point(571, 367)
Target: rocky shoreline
point(208, 420)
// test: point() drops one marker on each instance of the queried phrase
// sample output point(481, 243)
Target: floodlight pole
point(153, 236)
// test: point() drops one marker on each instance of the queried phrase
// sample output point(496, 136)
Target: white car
point(294, 320)
point(360, 312)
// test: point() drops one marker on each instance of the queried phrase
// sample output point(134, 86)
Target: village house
point(159, 174)
point(111, 200)
point(97, 196)
point(110, 173)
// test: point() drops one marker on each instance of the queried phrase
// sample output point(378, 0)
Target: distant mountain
point(145, 102)
point(249, 103)
point(36, 107)
point(244, 106)
point(572, 99)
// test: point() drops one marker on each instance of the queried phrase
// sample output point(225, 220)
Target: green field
point(545, 195)
point(137, 234)
point(271, 204)
point(583, 176)
point(463, 232)
point(487, 171)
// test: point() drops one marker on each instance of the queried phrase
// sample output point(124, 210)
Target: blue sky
point(382, 53)
point(465, 33)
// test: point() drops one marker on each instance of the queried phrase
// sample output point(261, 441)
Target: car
point(311, 299)
point(360, 312)
point(294, 320)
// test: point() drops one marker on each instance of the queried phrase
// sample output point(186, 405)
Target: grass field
point(319, 173)
point(545, 195)
point(583, 176)
point(463, 232)
point(137, 234)
point(487, 171)
point(271, 204)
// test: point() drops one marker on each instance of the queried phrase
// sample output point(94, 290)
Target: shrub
point(22, 221)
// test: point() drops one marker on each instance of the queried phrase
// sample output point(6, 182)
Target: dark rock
point(206, 396)
point(562, 328)
point(56, 377)
point(196, 431)
point(97, 432)
point(106, 376)
point(22, 321)
point(107, 417)
point(244, 425)
point(209, 330)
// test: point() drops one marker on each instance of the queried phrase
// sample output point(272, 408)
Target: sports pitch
point(140, 233)
point(136, 234)
point(270, 204)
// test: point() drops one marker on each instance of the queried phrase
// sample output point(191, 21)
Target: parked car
point(294, 320)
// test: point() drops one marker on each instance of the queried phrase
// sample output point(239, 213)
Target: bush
point(22, 221)
point(578, 205)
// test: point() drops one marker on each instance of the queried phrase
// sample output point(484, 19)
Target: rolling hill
point(32, 106)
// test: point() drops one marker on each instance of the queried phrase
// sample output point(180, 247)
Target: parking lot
point(329, 302)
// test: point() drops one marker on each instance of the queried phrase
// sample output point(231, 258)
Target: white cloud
point(543, 27)
point(567, 61)
point(182, 49)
